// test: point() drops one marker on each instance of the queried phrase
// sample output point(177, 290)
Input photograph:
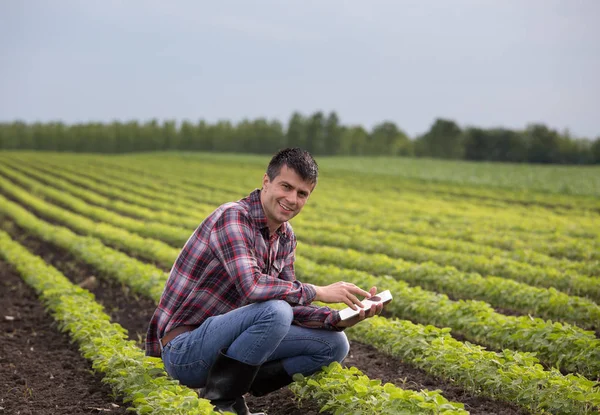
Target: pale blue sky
point(480, 62)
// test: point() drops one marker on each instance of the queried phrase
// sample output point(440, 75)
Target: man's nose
point(292, 198)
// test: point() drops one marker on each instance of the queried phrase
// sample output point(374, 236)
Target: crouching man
point(233, 318)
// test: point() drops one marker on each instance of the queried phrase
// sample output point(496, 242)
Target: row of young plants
point(406, 207)
point(117, 195)
point(141, 381)
point(556, 345)
point(133, 273)
point(116, 183)
point(365, 241)
point(533, 274)
point(124, 363)
point(524, 255)
point(181, 176)
point(189, 162)
point(441, 241)
point(570, 359)
point(139, 208)
point(545, 243)
point(374, 188)
point(499, 292)
point(507, 375)
point(409, 247)
point(116, 229)
point(348, 391)
point(560, 345)
point(546, 303)
point(354, 396)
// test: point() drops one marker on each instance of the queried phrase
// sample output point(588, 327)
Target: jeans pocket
point(189, 373)
point(178, 344)
point(184, 361)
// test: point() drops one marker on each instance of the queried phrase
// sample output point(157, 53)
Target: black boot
point(270, 377)
point(228, 380)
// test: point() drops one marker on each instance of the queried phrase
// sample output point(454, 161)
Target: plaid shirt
point(228, 262)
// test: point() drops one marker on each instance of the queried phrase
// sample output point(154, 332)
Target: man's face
point(284, 197)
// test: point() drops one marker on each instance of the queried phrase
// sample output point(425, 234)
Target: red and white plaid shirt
point(229, 262)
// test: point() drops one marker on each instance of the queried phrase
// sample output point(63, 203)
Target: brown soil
point(70, 388)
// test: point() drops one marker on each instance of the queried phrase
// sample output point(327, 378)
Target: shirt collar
point(258, 215)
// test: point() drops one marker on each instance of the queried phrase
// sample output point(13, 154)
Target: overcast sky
point(479, 62)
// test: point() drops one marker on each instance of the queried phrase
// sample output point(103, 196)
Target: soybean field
point(494, 269)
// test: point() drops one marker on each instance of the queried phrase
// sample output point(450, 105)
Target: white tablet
point(382, 297)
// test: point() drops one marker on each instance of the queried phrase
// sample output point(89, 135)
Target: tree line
point(321, 134)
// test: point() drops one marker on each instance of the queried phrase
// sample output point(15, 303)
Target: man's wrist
point(317, 293)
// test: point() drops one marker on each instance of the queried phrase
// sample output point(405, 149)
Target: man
point(233, 318)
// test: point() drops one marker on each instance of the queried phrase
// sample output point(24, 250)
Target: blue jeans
point(253, 334)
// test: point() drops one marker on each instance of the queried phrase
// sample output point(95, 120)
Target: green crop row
point(436, 243)
point(440, 239)
point(137, 186)
point(144, 278)
point(140, 380)
point(407, 208)
point(364, 241)
point(347, 391)
point(381, 191)
point(571, 352)
point(419, 222)
point(519, 237)
point(506, 375)
point(557, 345)
point(391, 245)
point(114, 233)
point(547, 303)
point(131, 209)
point(499, 292)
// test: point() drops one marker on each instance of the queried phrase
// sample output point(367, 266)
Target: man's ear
point(265, 180)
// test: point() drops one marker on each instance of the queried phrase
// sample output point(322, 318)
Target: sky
point(485, 63)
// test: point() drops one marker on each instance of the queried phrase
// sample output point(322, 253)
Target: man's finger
point(355, 300)
point(359, 291)
point(349, 303)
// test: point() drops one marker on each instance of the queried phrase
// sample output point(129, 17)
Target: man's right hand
point(341, 292)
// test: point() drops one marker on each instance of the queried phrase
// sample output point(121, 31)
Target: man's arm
point(316, 317)
point(232, 242)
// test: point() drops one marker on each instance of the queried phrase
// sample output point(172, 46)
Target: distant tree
point(387, 139)
point(476, 144)
point(443, 140)
point(543, 144)
point(170, 135)
point(595, 150)
point(315, 133)
point(354, 141)
point(223, 137)
point(187, 135)
point(333, 135)
point(296, 131)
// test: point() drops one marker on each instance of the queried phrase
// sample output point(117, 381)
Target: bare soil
point(41, 372)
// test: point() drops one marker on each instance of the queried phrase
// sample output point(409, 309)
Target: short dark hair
point(301, 161)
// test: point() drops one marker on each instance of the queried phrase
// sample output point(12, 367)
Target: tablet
point(382, 297)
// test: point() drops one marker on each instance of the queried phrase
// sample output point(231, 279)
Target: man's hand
point(363, 313)
point(342, 292)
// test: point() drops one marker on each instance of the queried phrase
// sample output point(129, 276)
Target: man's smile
point(286, 208)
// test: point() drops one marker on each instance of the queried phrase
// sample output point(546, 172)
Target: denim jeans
point(253, 334)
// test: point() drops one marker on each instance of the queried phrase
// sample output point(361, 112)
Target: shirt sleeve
point(232, 243)
point(316, 317)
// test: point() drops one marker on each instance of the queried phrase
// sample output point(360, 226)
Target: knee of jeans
point(282, 311)
point(340, 347)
